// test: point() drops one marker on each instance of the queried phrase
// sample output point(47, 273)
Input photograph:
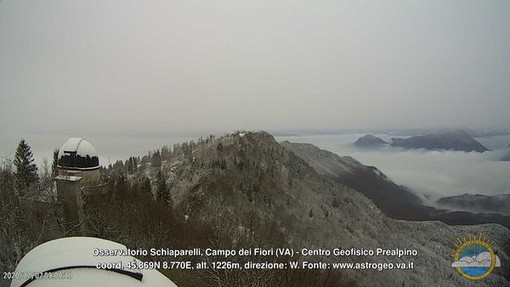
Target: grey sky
point(120, 67)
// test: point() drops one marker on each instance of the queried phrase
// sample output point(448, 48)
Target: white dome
point(79, 145)
point(78, 154)
point(74, 256)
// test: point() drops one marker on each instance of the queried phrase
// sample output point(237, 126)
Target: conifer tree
point(131, 165)
point(156, 159)
point(26, 170)
point(161, 188)
point(146, 185)
point(54, 164)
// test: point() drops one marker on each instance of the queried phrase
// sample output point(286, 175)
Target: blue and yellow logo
point(474, 257)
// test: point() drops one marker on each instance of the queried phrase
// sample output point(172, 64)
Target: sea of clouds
point(430, 174)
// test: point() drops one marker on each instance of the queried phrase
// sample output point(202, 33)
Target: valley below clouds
point(430, 174)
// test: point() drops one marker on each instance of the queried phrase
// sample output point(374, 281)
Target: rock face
point(369, 141)
point(252, 183)
point(456, 140)
point(478, 203)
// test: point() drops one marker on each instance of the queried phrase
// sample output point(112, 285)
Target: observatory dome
point(76, 260)
point(78, 154)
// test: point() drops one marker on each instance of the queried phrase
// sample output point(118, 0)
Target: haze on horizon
point(181, 67)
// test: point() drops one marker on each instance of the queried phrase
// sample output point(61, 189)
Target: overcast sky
point(136, 67)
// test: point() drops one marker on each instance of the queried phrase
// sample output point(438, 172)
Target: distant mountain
point(394, 200)
point(478, 203)
point(488, 132)
point(457, 140)
point(369, 141)
point(507, 156)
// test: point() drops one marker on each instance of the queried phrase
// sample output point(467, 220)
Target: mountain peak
point(457, 140)
point(369, 140)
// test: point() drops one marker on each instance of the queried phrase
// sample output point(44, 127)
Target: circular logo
point(474, 257)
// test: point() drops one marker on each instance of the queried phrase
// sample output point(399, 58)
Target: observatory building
point(77, 157)
point(78, 175)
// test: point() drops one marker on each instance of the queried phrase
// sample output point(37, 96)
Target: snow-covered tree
point(26, 170)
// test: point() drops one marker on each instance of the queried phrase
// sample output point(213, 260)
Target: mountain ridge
point(248, 177)
point(369, 140)
point(484, 203)
point(457, 140)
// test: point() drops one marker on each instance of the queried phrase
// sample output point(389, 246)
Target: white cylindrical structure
point(74, 260)
point(78, 157)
